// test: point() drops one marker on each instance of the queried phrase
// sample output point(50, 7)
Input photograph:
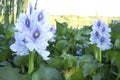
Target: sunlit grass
point(79, 21)
point(1, 19)
point(73, 20)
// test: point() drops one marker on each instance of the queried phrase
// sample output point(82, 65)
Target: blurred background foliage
point(10, 10)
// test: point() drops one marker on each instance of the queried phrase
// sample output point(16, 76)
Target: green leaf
point(77, 36)
point(97, 76)
point(38, 59)
point(117, 43)
point(60, 45)
point(78, 75)
point(7, 73)
point(5, 64)
point(20, 60)
point(89, 68)
point(47, 73)
point(91, 49)
point(115, 32)
point(61, 28)
point(68, 61)
point(113, 56)
point(86, 30)
point(73, 74)
point(9, 32)
point(4, 53)
point(55, 62)
point(86, 58)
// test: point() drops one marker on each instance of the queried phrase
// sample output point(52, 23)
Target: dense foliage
point(72, 57)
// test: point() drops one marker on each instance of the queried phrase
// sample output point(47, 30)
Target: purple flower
point(32, 33)
point(38, 39)
point(19, 46)
point(36, 34)
point(53, 31)
point(95, 35)
point(24, 23)
point(100, 35)
point(27, 22)
point(105, 29)
point(79, 52)
point(40, 16)
point(85, 46)
point(30, 9)
point(98, 24)
point(104, 43)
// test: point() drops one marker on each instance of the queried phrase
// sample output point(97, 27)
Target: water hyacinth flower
point(100, 35)
point(38, 38)
point(79, 52)
point(19, 47)
point(85, 46)
point(24, 23)
point(32, 33)
point(104, 43)
point(94, 37)
point(30, 9)
point(53, 30)
point(40, 16)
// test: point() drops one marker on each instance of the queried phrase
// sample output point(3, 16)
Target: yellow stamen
point(36, 34)
point(40, 16)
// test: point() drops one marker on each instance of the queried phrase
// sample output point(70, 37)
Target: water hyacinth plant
point(32, 33)
point(100, 35)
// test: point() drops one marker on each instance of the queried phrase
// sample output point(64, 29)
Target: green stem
point(97, 54)
point(100, 56)
point(31, 62)
point(22, 67)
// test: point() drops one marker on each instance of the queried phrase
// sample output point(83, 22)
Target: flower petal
point(44, 54)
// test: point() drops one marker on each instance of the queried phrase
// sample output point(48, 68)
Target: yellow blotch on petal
point(40, 16)
point(36, 34)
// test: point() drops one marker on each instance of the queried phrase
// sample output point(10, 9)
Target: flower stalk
point(100, 56)
point(31, 62)
point(22, 68)
point(96, 54)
